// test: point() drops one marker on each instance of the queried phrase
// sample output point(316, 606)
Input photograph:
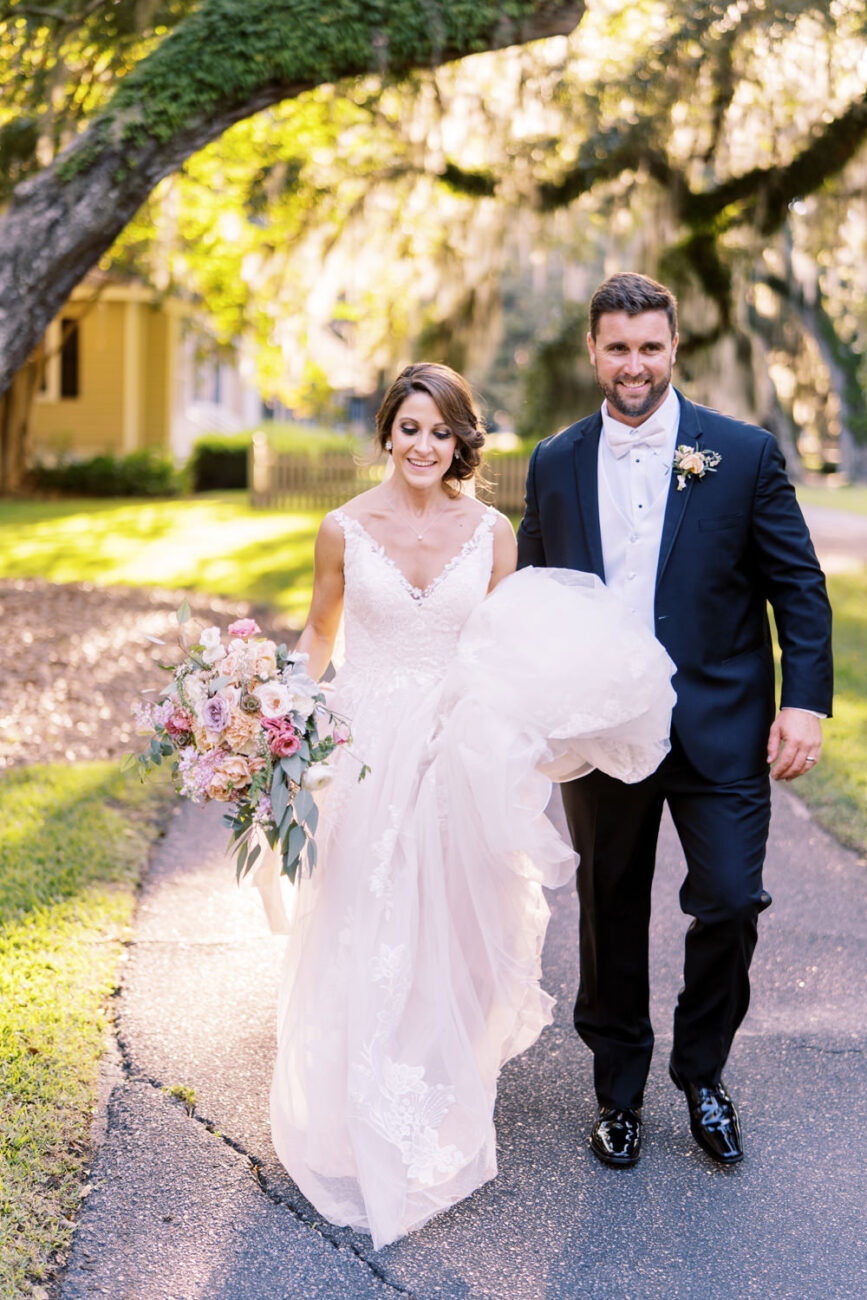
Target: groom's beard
point(621, 402)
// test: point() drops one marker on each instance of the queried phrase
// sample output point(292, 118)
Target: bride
point(413, 964)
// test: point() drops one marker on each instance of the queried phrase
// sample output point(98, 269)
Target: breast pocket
point(716, 522)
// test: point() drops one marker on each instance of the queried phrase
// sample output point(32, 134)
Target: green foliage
point(219, 463)
point(74, 842)
point(853, 365)
point(558, 384)
point(228, 49)
point(141, 474)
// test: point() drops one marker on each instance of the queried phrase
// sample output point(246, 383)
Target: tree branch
point(228, 60)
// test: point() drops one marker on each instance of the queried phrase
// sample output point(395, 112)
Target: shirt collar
point(666, 417)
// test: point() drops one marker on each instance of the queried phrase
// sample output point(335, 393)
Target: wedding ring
point(809, 759)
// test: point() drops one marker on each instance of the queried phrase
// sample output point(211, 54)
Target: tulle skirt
point(413, 964)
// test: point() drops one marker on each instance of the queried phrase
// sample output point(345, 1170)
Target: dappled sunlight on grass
point(75, 840)
point(214, 543)
point(837, 790)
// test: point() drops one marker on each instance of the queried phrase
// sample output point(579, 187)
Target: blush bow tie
point(621, 438)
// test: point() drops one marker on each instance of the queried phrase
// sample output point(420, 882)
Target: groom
point(697, 542)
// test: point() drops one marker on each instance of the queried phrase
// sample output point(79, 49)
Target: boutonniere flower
point(690, 463)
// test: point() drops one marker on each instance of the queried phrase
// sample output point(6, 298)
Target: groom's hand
point(794, 743)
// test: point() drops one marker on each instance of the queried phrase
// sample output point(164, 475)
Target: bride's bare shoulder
point(365, 506)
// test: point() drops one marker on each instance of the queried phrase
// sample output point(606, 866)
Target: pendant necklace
point(427, 527)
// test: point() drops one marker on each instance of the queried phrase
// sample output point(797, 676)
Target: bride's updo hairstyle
point(454, 400)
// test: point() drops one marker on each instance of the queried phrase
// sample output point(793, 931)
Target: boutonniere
point(689, 463)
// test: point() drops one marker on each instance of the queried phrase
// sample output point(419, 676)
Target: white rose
point(196, 691)
point(213, 654)
point(302, 695)
point(274, 698)
point(317, 776)
point(210, 637)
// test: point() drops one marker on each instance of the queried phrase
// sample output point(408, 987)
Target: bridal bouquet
point(242, 722)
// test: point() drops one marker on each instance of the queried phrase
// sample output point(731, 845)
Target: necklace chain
point(427, 527)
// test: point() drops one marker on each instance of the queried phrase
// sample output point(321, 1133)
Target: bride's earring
point(388, 444)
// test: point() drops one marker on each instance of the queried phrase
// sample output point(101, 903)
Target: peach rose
point(231, 774)
point(242, 731)
point(692, 464)
point(264, 659)
point(236, 664)
point(204, 739)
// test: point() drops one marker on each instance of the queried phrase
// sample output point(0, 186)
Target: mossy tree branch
point(227, 60)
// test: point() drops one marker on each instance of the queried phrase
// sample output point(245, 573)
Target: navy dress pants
point(723, 830)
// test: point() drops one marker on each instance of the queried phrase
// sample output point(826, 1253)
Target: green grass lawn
point(852, 497)
point(74, 842)
point(837, 790)
point(214, 543)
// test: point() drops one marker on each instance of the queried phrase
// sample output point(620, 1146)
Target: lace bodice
point(396, 633)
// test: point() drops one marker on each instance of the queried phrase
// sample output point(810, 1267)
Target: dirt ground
point(74, 658)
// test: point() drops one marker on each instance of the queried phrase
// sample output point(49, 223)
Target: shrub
point(141, 474)
point(219, 463)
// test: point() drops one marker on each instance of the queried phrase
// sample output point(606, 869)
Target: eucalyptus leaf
point(154, 640)
point(303, 803)
point(311, 821)
point(293, 767)
point(311, 854)
point(279, 798)
point(253, 855)
point(242, 858)
point(184, 612)
point(304, 750)
point(128, 762)
point(295, 841)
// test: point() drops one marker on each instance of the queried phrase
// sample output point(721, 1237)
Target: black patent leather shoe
point(616, 1136)
point(712, 1119)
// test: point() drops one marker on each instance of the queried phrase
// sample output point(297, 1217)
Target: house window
point(69, 377)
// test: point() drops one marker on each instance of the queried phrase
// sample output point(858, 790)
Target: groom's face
point(632, 357)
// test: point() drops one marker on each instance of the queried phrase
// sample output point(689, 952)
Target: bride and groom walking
point(655, 534)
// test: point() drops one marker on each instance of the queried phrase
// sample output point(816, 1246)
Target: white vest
point(632, 533)
point(630, 550)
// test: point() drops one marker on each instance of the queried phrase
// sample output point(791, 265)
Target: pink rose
point(244, 627)
point(283, 739)
point(179, 723)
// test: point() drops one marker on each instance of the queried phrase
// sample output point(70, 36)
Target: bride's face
point(422, 444)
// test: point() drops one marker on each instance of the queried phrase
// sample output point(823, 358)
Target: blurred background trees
point(466, 212)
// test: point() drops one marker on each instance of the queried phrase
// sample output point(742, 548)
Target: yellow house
point(128, 369)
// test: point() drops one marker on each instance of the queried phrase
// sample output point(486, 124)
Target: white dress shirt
point(633, 482)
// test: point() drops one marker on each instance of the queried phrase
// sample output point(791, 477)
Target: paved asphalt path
point(197, 1207)
point(185, 1207)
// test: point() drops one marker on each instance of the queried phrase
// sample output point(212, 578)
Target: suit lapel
point(586, 454)
point(689, 431)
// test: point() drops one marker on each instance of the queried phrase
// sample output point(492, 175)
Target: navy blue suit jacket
point(732, 543)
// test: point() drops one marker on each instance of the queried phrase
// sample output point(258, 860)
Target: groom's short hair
point(633, 293)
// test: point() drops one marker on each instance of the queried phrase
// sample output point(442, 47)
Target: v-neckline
point(419, 594)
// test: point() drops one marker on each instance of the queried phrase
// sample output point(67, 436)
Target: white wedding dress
point(413, 963)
